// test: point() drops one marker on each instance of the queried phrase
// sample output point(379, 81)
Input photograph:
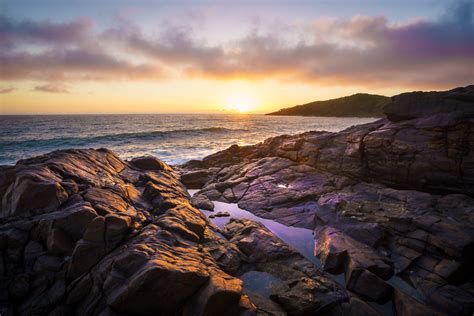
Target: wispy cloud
point(6, 90)
point(365, 50)
point(52, 88)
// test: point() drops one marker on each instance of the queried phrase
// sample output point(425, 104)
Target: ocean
point(174, 138)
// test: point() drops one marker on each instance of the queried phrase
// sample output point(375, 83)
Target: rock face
point(304, 289)
point(391, 202)
point(85, 233)
point(418, 104)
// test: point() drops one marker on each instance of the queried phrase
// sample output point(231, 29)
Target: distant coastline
point(356, 105)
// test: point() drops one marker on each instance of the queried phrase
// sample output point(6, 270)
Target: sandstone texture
point(391, 202)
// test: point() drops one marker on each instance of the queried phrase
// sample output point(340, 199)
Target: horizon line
point(133, 113)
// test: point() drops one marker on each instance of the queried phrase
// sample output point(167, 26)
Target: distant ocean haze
point(174, 138)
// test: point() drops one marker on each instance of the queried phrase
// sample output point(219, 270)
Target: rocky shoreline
point(390, 204)
point(389, 199)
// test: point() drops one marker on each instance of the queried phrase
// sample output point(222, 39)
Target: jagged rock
point(355, 307)
point(305, 289)
point(202, 202)
point(418, 104)
point(404, 154)
point(220, 295)
point(195, 179)
point(408, 306)
point(339, 252)
point(390, 202)
point(33, 193)
point(392, 197)
point(102, 236)
point(368, 285)
point(219, 214)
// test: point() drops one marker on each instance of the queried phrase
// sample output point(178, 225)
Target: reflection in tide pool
point(301, 239)
point(259, 282)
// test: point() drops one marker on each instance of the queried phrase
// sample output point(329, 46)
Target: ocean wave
point(133, 136)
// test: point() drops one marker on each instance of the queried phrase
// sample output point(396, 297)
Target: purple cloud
point(13, 32)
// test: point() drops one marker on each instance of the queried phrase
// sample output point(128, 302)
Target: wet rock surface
point(391, 202)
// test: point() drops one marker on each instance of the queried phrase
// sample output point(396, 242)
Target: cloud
point(6, 90)
point(52, 88)
point(71, 64)
point(362, 50)
point(67, 51)
point(14, 32)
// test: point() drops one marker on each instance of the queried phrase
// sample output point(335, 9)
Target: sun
point(240, 104)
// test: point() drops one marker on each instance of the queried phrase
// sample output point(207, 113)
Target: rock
point(406, 305)
point(148, 163)
point(220, 295)
point(48, 263)
point(369, 286)
point(403, 154)
point(19, 287)
point(33, 251)
point(304, 296)
point(102, 236)
point(195, 179)
point(391, 201)
point(418, 104)
point(32, 193)
point(355, 306)
point(219, 214)
point(202, 202)
point(305, 288)
point(339, 252)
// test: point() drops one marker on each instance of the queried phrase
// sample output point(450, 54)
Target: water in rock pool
point(259, 282)
point(302, 240)
point(174, 138)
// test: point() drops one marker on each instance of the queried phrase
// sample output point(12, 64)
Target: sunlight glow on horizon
point(241, 104)
point(166, 57)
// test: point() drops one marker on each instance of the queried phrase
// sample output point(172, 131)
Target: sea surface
point(174, 138)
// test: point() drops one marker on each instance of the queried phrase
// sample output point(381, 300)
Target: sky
point(143, 56)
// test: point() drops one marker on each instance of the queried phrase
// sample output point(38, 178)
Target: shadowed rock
point(408, 106)
point(305, 290)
